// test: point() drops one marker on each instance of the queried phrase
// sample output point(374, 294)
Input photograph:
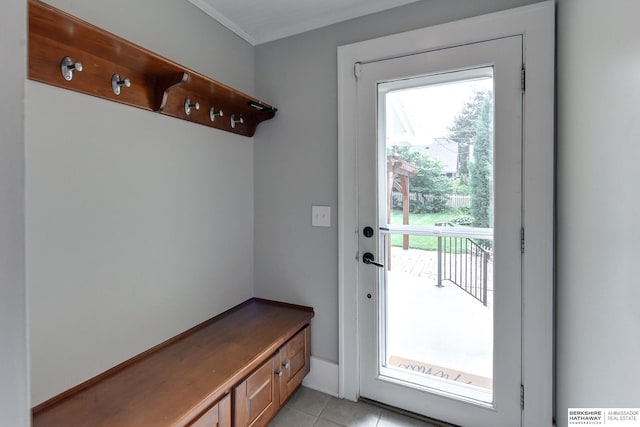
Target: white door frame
point(536, 23)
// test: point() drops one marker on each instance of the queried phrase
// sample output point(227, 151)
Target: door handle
point(368, 258)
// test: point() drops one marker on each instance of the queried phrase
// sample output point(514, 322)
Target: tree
point(481, 168)
point(430, 181)
point(463, 129)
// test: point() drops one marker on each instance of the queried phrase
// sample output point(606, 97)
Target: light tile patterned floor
point(310, 408)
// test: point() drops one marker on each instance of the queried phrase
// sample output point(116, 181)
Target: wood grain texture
point(259, 398)
point(256, 399)
point(183, 378)
point(294, 362)
point(157, 84)
point(219, 415)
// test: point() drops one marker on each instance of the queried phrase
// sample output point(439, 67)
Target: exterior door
point(439, 176)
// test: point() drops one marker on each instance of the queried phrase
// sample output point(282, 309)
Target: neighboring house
point(445, 151)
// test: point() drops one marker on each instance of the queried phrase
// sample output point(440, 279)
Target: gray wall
point(88, 272)
point(598, 282)
point(296, 156)
point(139, 226)
point(14, 399)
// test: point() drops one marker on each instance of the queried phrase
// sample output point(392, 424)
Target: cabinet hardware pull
point(279, 373)
point(286, 364)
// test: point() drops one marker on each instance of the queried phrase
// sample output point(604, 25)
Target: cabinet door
point(256, 399)
point(219, 415)
point(294, 362)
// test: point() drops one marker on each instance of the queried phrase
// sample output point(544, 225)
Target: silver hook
point(188, 106)
point(67, 67)
point(117, 84)
point(235, 121)
point(213, 113)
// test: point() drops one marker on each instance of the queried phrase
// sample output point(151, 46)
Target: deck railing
point(464, 262)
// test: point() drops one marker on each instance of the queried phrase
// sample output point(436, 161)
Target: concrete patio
point(440, 326)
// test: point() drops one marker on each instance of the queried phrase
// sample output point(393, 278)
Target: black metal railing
point(464, 262)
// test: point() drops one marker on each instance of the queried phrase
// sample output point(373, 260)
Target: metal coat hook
point(188, 106)
point(235, 121)
point(117, 83)
point(67, 67)
point(213, 113)
point(260, 107)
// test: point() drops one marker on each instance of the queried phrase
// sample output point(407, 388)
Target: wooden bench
point(236, 369)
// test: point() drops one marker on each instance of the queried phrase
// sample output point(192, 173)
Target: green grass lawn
point(421, 242)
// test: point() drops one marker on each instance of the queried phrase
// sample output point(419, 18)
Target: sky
point(432, 108)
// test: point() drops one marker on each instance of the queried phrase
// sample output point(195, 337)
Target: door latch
point(368, 258)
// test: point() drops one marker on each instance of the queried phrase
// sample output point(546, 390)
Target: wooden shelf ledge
point(157, 84)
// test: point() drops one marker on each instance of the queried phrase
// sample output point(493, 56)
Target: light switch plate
point(321, 216)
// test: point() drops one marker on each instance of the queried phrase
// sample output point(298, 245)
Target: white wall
point(139, 226)
point(14, 399)
point(296, 156)
point(598, 281)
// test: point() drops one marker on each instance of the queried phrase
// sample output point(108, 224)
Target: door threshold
point(419, 417)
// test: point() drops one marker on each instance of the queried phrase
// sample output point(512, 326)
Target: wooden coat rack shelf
point(104, 65)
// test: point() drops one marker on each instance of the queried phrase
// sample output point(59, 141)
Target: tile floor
point(309, 408)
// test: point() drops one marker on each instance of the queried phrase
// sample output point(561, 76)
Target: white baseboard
point(323, 376)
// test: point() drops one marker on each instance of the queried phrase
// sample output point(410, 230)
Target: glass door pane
point(436, 199)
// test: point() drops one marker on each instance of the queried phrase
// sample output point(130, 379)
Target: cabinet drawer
point(256, 399)
point(294, 355)
point(294, 361)
point(219, 415)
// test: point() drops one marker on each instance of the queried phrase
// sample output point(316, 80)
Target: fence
point(465, 263)
point(452, 200)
